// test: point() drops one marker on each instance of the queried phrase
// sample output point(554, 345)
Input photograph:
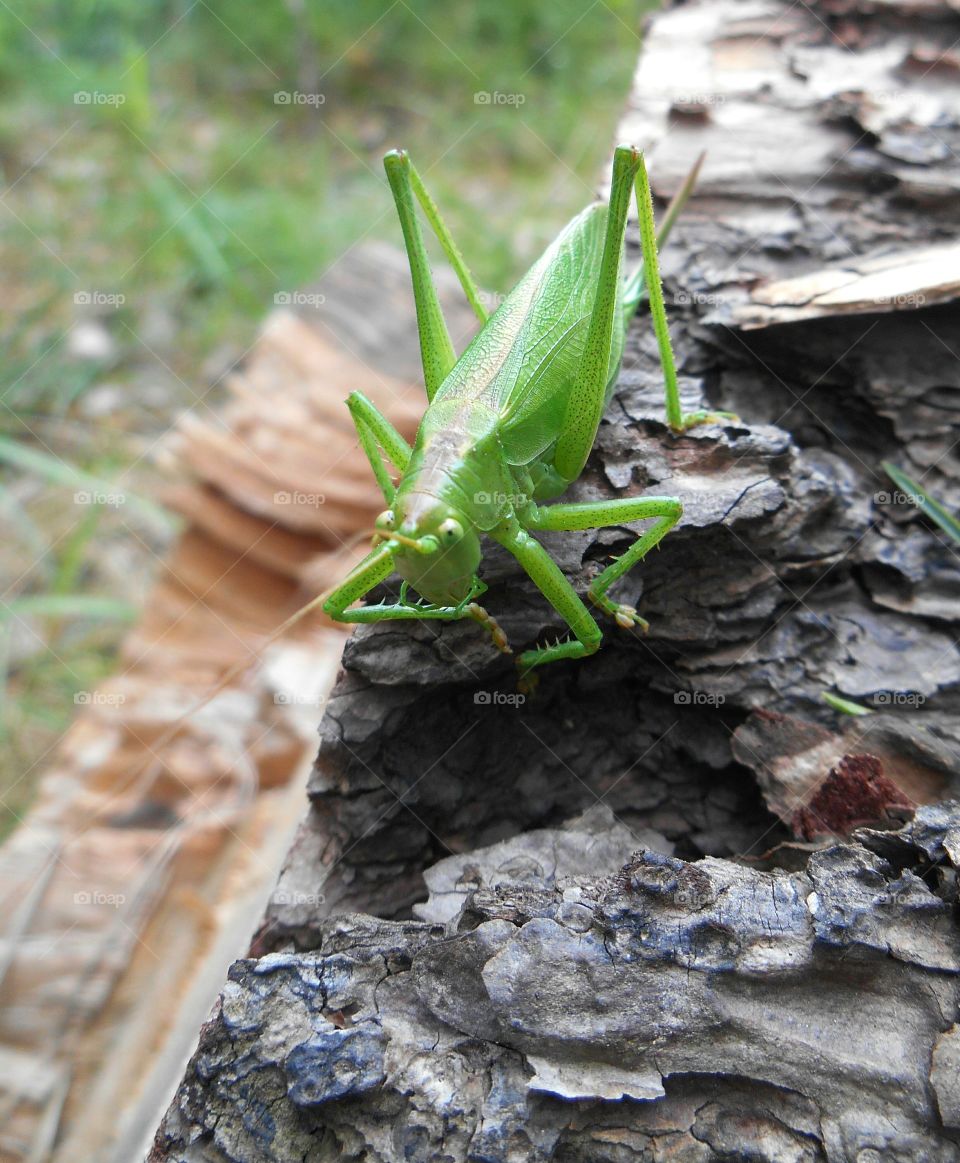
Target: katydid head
point(437, 549)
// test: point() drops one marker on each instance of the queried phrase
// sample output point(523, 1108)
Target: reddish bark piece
point(855, 792)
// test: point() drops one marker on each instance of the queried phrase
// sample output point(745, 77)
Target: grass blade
point(68, 606)
point(925, 503)
point(51, 468)
point(845, 706)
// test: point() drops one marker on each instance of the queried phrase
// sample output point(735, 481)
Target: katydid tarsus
point(511, 422)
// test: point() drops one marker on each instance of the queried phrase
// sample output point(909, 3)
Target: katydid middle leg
point(550, 580)
point(552, 583)
point(602, 514)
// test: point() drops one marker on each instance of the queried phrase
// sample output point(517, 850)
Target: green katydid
point(511, 422)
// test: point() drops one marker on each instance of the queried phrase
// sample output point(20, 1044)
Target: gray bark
point(596, 1005)
point(704, 966)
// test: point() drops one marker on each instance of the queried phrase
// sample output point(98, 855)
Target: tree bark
point(603, 1006)
point(704, 965)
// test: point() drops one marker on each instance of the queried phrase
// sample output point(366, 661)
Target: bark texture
point(704, 965)
point(584, 1008)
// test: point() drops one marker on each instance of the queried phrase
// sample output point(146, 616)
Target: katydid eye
point(450, 531)
point(385, 520)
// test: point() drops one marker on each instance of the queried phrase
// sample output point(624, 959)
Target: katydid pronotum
point(511, 422)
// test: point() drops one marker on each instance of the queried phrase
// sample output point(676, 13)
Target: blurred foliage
point(159, 192)
point(208, 186)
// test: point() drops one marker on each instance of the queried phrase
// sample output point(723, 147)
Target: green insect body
point(511, 422)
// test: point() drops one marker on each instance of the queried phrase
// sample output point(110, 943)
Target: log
point(591, 1004)
point(713, 962)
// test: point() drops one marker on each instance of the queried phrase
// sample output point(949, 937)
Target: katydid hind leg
point(436, 348)
point(450, 248)
point(634, 289)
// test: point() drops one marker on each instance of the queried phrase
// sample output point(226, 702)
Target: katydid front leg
point(375, 568)
point(375, 431)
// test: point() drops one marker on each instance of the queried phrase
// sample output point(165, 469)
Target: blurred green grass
point(150, 166)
